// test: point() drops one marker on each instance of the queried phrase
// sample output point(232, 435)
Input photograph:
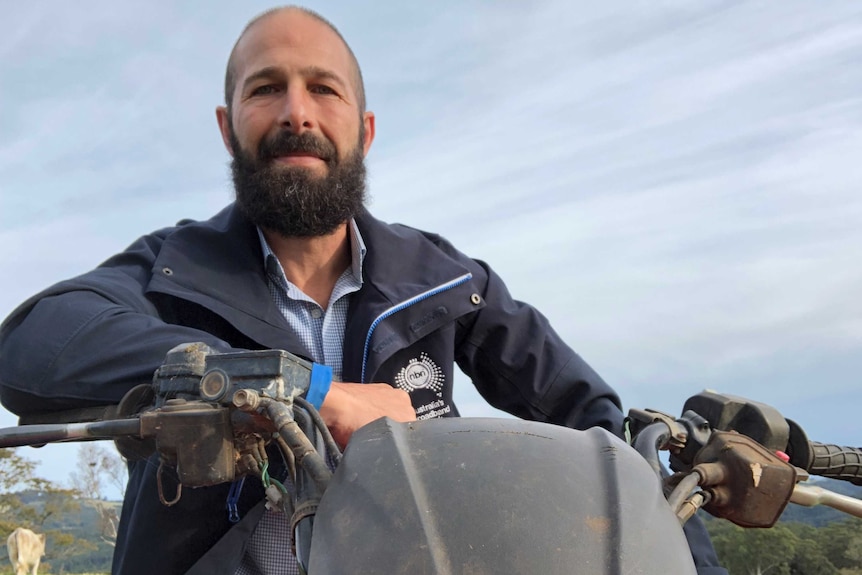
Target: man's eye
point(321, 89)
point(264, 90)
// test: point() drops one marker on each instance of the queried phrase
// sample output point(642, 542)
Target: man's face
point(295, 129)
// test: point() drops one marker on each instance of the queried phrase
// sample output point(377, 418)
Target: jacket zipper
point(404, 305)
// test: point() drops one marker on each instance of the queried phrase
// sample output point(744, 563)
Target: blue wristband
point(318, 386)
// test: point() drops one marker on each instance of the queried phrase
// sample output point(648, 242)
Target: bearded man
point(296, 263)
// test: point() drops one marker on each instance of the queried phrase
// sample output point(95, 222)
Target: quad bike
point(465, 495)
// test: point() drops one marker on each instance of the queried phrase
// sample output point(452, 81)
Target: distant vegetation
point(806, 541)
point(78, 539)
point(74, 543)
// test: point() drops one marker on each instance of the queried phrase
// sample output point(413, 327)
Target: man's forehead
point(294, 31)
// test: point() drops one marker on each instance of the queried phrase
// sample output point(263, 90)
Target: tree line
point(789, 548)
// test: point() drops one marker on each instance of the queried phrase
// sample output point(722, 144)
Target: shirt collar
point(357, 253)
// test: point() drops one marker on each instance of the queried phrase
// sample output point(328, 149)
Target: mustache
point(285, 142)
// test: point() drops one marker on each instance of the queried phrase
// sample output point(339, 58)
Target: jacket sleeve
point(521, 365)
point(86, 341)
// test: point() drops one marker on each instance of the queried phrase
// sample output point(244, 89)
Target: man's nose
point(295, 111)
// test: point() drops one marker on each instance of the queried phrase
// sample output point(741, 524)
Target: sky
point(673, 184)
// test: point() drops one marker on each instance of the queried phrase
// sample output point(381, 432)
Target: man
point(296, 263)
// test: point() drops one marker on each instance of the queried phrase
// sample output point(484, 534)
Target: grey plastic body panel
point(494, 496)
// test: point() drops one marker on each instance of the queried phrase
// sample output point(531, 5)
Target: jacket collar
point(403, 262)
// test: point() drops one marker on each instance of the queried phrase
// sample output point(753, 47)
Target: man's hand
point(349, 406)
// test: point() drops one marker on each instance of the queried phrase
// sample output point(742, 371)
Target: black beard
point(292, 201)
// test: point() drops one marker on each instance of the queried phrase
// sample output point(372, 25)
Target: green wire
point(279, 485)
point(267, 480)
point(264, 473)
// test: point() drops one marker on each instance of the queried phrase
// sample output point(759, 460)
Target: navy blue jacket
point(422, 308)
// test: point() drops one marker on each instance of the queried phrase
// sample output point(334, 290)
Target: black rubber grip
point(836, 462)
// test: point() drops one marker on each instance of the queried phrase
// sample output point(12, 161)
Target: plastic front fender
point(494, 496)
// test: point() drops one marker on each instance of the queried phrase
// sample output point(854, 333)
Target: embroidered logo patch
point(420, 373)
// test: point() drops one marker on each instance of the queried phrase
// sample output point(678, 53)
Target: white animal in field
point(25, 550)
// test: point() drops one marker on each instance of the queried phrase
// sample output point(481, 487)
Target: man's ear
point(368, 122)
point(223, 118)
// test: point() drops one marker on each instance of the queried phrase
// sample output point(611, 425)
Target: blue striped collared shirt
point(320, 330)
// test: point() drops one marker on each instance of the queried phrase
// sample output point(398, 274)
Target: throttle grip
point(835, 462)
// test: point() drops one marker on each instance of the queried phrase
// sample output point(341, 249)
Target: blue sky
point(674, 184)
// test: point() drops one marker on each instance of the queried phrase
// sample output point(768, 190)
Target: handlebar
point(726, 442)
point(58, 433)
point(765, 425)
point(824, 459)
point(836, 462)
point(811, 495)
point(721, 444)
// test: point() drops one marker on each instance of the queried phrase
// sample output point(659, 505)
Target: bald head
point(230, 77)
